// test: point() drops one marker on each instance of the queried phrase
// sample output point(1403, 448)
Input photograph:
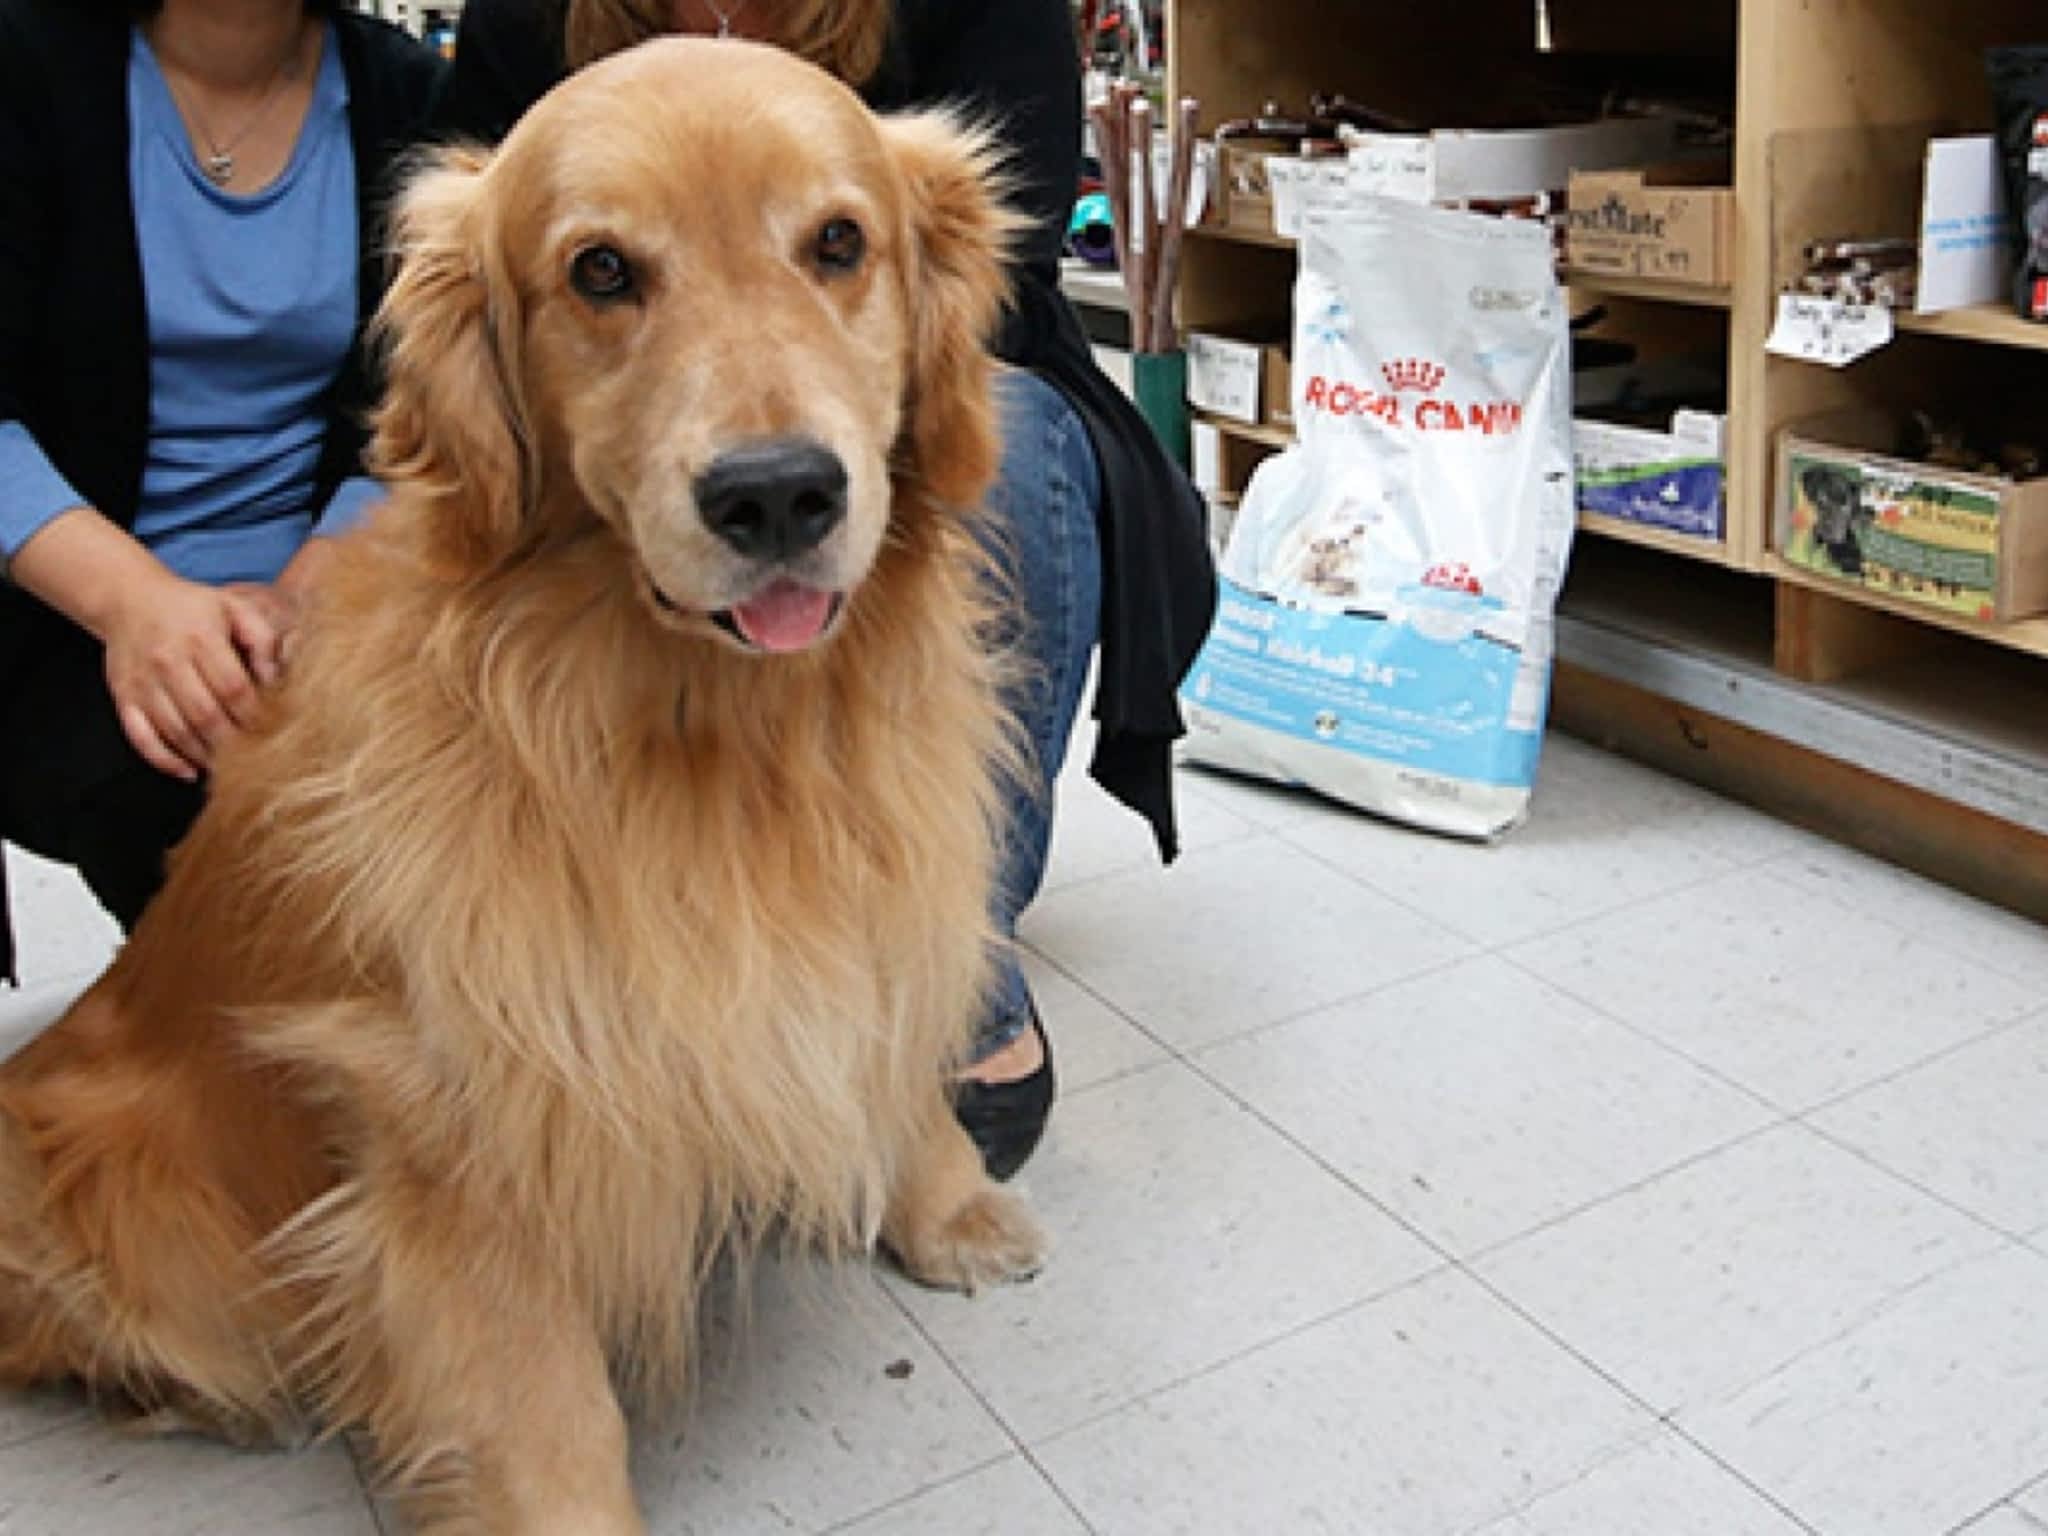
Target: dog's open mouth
point(783, 616)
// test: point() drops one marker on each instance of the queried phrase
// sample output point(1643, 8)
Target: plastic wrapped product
point(1384, 630)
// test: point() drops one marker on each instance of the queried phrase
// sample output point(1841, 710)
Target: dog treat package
point(2019, 87)
point(1383, 634)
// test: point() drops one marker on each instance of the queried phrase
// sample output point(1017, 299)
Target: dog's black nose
point(775, 497)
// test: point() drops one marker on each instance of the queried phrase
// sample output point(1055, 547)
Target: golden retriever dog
point(605, 889)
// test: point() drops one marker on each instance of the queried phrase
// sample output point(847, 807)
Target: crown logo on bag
point(1413, 373)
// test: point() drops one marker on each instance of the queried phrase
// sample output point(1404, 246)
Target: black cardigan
point(1017, 61)
point(74, 332)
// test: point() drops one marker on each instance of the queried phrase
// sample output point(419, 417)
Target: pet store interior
point(1631, 1126)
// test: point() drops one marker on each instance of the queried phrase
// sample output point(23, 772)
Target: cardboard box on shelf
point(1674, 480)
point(1264, 185)
point(1465, 165)
point(1224, 376)
point(1278, 381)
point(1975, 545)
point(1243, 195)
point(1239, 379)
point(1671, 224)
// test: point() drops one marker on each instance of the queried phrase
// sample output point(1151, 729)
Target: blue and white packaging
point(1384, 633)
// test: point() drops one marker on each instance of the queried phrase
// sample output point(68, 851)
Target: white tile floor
point(1661, 1173)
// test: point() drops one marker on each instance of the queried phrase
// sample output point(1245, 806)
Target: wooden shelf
point(1238, 235)
point(1097, 287)
point(1834, 106)
point(1993, 323)
point(1713, 551)
point(1269, 436)
point(2028, 635)
point(1652, 289)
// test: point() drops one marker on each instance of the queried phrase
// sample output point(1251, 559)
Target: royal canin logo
point(1413, 373)
point(1453, 576)
point(1411, 376)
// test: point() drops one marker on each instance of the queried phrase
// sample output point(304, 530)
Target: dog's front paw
point(991, 1239)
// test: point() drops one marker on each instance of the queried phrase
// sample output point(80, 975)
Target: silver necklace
point(218, 163)
point(724, 16)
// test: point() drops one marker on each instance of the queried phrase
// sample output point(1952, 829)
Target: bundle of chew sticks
point(1149, 228)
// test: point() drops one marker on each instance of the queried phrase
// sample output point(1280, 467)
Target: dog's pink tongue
point(784, 616)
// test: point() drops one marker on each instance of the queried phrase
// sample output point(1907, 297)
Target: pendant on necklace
point(219, 168)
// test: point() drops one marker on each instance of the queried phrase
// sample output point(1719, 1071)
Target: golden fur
point(542, 943)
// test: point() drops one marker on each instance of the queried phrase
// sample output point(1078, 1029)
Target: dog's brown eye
point(601, 274)
point(841, 245)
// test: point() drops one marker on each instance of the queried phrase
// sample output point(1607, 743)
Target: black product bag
point(2019, 90)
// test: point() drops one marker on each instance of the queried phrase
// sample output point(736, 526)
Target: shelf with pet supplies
point(1270, 436)
point(1648, 289)
point(2026, 635)
point(1994, 324)
point(1826, 117)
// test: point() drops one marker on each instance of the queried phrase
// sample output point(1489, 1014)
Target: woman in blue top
point(188, 237)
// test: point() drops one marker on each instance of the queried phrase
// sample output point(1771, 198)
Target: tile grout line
point(1964, 1526)
point(891, 1505)
point(1993, 1032)
point(1599, 1010)
point(1721, 1075)
point(1145, 864)
point(1918, 936)
point(1489, 946)
point(1152, 1394)
point(1488, 1251)
point(1667, 1422)
point(1245, 1106)
point(1009, 1431)
point(1186, 1055)
point(1029, 1448)
point(2024, 1239)
point(1877, 915)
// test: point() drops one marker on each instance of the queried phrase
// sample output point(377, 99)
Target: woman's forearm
point(87, 568)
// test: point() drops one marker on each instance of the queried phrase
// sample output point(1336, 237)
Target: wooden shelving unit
point(1992, 323)
point(1834, 101)
point(1265, 435)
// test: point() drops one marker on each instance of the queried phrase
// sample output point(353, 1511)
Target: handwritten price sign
point(1815, 330)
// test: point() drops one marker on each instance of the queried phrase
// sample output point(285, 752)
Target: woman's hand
point(184, 661)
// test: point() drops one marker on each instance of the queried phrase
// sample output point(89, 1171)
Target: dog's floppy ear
point(961, 230)
point(454, 418)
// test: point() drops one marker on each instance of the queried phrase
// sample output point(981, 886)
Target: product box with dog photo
point(1967, 542)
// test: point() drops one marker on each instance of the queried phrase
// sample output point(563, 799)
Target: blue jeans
point(1043, 534)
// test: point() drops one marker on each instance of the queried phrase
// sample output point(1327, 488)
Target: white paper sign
point(1965, 233)
point(1199, 173)
point(1223, 376)
point(1394, 165)
point(1299, 185)
point(1816, 330)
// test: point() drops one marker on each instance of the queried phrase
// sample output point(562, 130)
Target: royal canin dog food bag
point(1383, 634)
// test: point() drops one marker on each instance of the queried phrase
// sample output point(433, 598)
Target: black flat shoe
point(1007, 1120)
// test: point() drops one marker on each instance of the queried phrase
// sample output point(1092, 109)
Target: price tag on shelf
point(1816, 330)
point(1393, 165)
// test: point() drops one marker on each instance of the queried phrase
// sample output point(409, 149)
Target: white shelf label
point(1816, 330)
point(1394, 165)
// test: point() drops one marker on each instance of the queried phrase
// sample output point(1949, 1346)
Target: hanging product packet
point(1384, 630)
point(2019, 89)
